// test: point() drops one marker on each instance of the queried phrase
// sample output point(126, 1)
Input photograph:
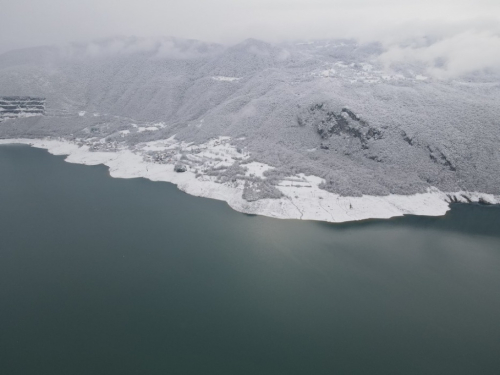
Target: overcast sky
point(35, 22)
point(464, 32)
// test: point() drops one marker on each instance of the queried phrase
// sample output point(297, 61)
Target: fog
point(451, 36)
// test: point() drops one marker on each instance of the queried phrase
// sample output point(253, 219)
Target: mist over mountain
point(364, 118)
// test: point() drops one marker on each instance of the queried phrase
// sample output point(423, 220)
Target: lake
point(110, 276)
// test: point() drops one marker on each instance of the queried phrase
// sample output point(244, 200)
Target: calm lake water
point(108, 276)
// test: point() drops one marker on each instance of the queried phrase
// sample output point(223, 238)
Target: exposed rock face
point(435, 154)
point(179, 168)
point(438, 157)
point(21, 106)
point(329, 122)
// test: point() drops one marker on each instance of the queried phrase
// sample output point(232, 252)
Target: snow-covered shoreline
point(303, 199)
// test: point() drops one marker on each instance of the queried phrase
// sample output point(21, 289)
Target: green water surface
point(109, 276)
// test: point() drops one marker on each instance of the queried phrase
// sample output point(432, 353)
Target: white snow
point(303, 198)
point(141, 129)
point(363, 73)
point(257, 169)
point(226, 79)
point(328, 73)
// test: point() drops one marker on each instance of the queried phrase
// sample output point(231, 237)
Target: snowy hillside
point(328, 109)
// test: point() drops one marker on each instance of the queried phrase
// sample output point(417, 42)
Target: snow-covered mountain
point(326, 108)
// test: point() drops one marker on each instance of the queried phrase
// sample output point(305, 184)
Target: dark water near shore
point(110, 276)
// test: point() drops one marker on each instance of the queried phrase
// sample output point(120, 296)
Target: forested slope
point(326, 108)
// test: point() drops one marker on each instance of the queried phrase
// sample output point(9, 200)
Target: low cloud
point(446, 50)
point(155, 47)
point(451, 56)
point(451, 37)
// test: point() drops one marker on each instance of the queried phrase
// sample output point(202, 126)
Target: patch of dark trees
point(454, 199)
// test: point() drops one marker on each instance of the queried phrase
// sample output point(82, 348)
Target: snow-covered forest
point(331, 109)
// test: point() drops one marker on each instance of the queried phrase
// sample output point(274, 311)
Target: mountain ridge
point(397, 132)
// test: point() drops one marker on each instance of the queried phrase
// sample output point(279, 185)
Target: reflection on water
point(101, 275)
point(474, 219)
